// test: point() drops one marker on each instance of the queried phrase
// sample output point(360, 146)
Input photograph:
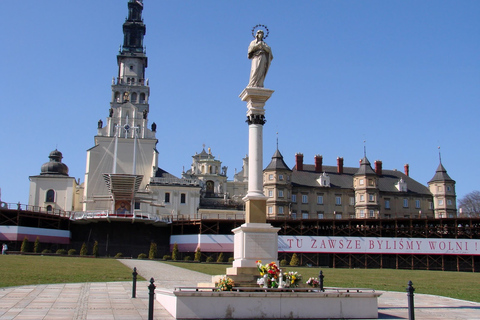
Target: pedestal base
point(192, 303)
point(255, 241)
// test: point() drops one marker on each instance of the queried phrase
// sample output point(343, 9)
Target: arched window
point(50, 196)
point(117, 96)
point(49, 208)
point(142, 97)
point(134, 97)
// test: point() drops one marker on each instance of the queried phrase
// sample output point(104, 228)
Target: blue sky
point(402, 75)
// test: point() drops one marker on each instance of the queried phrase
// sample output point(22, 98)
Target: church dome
point(55, 165)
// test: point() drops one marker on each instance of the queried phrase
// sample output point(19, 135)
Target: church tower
point(125, 144)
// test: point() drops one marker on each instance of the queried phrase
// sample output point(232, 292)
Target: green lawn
point(19, 270)
point(459, 285)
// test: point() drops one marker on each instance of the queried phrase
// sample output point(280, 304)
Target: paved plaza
point(112, 300)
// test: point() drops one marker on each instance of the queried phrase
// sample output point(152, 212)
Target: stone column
point(255, 239)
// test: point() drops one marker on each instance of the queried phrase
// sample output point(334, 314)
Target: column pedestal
point(255, 239)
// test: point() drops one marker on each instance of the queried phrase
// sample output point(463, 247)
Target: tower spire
point(439, 154)
point(134, 29)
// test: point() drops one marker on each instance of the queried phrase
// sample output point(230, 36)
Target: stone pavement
point(113, 300)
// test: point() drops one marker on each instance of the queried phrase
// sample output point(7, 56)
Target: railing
point(37, 209)
point(175, 181)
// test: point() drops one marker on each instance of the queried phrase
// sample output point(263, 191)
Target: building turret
point(365, 184)
point(277, 186)
point(442, 188)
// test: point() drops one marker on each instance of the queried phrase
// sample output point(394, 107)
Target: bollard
point(411, 308)
point(320, 279)
point(151, 297)
point(134, 285)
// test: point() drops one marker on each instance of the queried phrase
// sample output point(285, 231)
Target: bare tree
point(470, 204)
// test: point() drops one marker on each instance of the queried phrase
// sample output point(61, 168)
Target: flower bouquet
point(293, 279)
point(313, 282)
point(269, 272)
point(225, 284)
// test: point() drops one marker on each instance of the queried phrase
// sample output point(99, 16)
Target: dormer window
point(324, 180)
point(401, 185)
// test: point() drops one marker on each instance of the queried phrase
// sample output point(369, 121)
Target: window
point(370, 182)
point(338, 216)
point(417, 204)
point(183, 198)
point(360, 182)
point(280, 177)
point(387, 203)
point(270, 210)
point(280, 210)
point(137, 205)
point(352, 201)
point(338, 200)
point(320, 215)
point(280, 193)
point(304, 198)
point(319, 199)
point(270, 177)
point(270, 193)
point(440, 202)
point(439, 188)
point(362, 198)
point(405, 203)
point(167, 197)
point(362, 213)
point(371, 197)
point(50, 196)
point(294, 215)
point(142, 97)
point(449, 202)
point(294, 198)
point(49, 208)
point(304, 215)
point(448, 188)
point(430, 205)
point(372, 214)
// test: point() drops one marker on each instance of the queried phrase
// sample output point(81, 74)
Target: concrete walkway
point(113, 300)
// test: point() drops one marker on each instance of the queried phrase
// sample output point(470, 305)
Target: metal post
point(320, 278)
point(411, 308)
point(151, 297)
point(134, 285)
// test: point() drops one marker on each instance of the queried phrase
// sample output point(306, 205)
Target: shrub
point(84, 250)
point(36, 245)
point(152, 253)
point(187, 258)
point(294, 262)
point(198, 255)
point(61, 251)
point(46, 251)
point(230, 260)
point(24, 247)
point(283, 263)
point(142, 256)
point(95, 249)
point(175, 252)
point(220, 257)
point(210, 259)
point(167, 257)
point(72, 252)
point(119, 255)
